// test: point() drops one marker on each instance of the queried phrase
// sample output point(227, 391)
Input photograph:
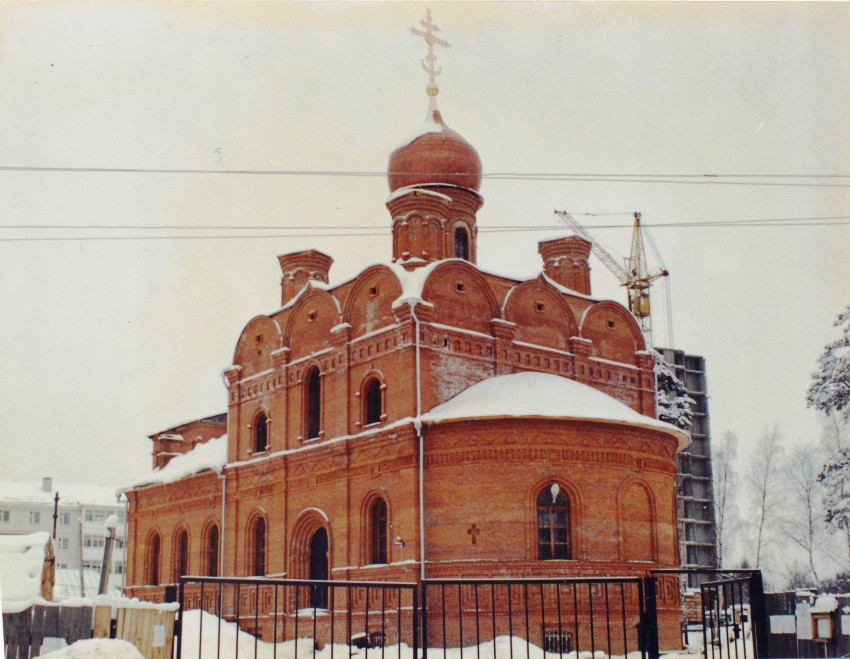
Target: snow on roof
point(211, 455)
point(21, 569)
point(824, 604)
point(69, 493)
point(428, 126)
point(531, 394)
point(406, 190)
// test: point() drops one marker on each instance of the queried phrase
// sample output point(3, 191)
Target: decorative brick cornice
point(232, 374)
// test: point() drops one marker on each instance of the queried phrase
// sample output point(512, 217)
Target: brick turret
point(298, 268)
point(565, 262)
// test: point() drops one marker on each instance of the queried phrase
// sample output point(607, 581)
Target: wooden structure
point(149, 628)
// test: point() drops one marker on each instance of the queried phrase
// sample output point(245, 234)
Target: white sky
point(105, 342)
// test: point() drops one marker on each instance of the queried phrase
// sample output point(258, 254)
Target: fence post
point(649, 626)
point(178, 624)
point(423, 607)
point(758, 613)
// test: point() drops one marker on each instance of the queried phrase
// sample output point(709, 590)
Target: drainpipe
point(417, 424)
point(223, 478)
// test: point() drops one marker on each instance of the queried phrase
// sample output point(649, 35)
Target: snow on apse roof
point(532, 394)
point(210, 455)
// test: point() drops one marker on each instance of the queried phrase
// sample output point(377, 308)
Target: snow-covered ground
point(204, 633)
point(97, 647)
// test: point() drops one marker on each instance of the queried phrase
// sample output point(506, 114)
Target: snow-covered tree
point(835, 479)
point(802, 518)
point(672, 402)
point(830, 391)
point(724, 458)
point(763, 480)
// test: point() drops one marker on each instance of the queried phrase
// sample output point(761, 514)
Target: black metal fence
point(217, 615)
point(276, 617)
point(557, 615)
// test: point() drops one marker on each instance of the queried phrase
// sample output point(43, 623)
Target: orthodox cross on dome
point(430, 60)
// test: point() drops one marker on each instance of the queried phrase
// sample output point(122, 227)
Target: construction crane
point(633, 273)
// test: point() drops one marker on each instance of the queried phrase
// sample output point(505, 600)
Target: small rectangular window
point(4, 515)
point(311, 316)
point(557, 642)
point(459, 287)
point(35, 517)
point(539, 306)
point(611, 324)
point(373, 290)
point(65, 518)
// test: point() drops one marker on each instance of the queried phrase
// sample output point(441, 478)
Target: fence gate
point(734, 624)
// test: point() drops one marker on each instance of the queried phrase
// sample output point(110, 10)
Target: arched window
point(261, 433)
point(313, 408)
point(461, 244)
point(152, 559)
point(553, 524)
point(212, 551)
point(181, 555)
point(257, 549)
point(378, 532)
point(372, 402)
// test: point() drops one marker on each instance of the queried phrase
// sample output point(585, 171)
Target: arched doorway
point(319, 568)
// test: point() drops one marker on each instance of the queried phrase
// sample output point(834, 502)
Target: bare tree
point(803, 510)
point(762, 479)
point(724, 457)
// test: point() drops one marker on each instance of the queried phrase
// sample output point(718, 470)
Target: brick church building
point(423, 419)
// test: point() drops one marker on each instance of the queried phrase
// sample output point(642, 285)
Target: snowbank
point(21, 569)
point(531, 394)
point(211, 455)
point(97, 647)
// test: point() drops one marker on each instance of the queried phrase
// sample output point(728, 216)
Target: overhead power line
point(385, 227)
point(376, 230)
point(798, 180)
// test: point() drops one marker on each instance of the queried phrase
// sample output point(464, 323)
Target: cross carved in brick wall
point(473, 532)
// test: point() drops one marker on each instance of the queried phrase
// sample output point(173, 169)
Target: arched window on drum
point(553, 524)
point(461, 244)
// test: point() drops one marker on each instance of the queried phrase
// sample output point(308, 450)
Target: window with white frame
point(64, 519)
point(93, 541)
point(4, 516)
point(35, 517)
point(62, 544)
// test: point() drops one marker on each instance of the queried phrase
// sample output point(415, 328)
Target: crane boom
point(601, 253)
point(635, 276)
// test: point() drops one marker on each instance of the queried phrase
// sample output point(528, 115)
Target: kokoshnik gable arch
point(522, 410)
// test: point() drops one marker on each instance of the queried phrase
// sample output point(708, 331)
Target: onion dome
point(435, 155)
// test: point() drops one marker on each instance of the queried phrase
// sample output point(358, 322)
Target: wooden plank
point(24, 634)
point(148, 616)
point(102, 621)
point(119, 623)
point(85, 622)
point(37, 630)
point(51, 621)
point(168, 620)
point(64, 630)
